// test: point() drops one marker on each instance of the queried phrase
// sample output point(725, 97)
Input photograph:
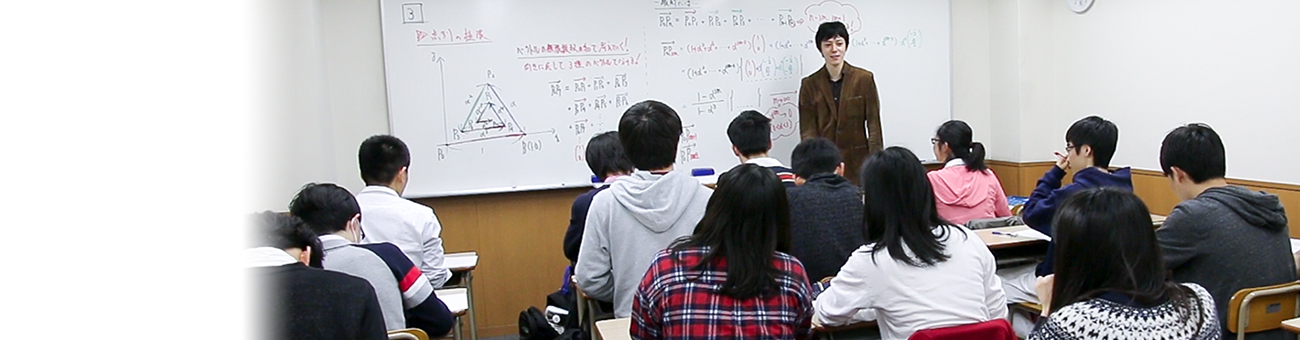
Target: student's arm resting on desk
point(1042, 202)
point(994, 297)
point(423, 309)
point(433, 267)
point(594, 270)
point(647, 313)
point(1179, 238)
point(851, 291)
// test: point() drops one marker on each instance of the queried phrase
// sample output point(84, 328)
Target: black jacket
point(299, 302)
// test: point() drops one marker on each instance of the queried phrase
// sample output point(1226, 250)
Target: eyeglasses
point(1069, 147)
point(934, 141)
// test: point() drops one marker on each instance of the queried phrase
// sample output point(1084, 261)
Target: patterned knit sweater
point(1103, 319)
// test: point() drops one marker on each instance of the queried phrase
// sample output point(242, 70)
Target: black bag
point(533, 326)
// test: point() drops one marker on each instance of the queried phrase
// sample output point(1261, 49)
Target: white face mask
point(355, 225)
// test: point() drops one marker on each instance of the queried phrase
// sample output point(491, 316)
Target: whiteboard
point(498, 95)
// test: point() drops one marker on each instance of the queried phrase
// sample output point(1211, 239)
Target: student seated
point(640, 214)
point(1089, 145)
point(1223, 237)
point(301, 302)
point(413, 227)
point(751, 139)
point(606, 159)
point(965, 189)
point(335, 217)
point(1110, 282)
point(825, 209)
point(916, 271)
point(732, 277)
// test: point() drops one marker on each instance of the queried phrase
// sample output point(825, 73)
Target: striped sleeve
point(415, 288)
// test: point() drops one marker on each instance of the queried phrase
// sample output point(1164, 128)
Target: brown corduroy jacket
point(844, 123)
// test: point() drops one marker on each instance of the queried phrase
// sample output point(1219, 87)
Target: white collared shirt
point(954, 162)
point(765, 162)
point(266, 257)
point(387, 217)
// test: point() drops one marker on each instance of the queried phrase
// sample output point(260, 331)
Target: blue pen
point(1005, 234)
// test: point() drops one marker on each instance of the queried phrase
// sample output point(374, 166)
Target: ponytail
point(957, 135)
point(975, 158)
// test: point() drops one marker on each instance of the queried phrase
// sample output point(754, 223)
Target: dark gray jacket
point(825, 223)
point(1227, 239)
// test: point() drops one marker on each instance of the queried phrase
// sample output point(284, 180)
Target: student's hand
point(1062, 161)
point(1044, 289)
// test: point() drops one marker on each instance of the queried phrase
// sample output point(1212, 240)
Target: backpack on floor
point(534, 326)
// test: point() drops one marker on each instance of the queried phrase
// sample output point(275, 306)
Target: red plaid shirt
point(675, 302)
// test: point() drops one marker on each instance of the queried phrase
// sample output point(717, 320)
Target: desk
point(614, 329)
point(464, 264)
point(995, 241)
point(457, 301)
point(1157, 220)
point(1291, 325)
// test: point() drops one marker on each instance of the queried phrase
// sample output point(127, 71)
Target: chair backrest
point(997, 329)
point(1262, 308)
point(408, 334)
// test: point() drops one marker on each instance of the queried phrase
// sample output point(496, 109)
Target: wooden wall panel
point(518, 237)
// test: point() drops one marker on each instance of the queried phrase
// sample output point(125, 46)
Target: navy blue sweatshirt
point(1049, 194)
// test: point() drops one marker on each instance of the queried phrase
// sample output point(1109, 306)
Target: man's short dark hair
point(325, 207)
point(605, 155)
point(831, 29)
point(649, 131)
point(751, 133)
point(381, 158)
point(1197, 150)
point(1100, 134)
point(285, 231)
point(815, 156)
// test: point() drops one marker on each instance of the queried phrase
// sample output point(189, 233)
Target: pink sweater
point(962, 195)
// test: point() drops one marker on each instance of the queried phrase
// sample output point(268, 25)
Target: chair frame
point(1239, 306)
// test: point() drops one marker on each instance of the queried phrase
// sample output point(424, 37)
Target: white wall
point(327, 77)
point(1150, 66)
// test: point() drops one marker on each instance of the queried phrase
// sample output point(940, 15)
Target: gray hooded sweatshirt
point(1227, 239)
point(629, 223)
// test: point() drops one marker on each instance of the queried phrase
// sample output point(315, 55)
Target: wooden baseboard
point(1151, 186)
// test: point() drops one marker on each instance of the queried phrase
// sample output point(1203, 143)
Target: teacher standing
point(839, 99)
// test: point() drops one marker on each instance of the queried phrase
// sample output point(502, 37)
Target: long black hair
point(746, 221)
point(899, 208)
point(957, 135)
point(1105, 243)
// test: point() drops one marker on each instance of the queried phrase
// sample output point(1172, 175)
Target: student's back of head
point(649, 131)
point(1196, 150)
point(285, 232)
point(746, 221)
point(898, 207)
point(605, 156)
point(325, 207)
point(383, 160)
point(750, 133)
point(1096, 133)
point(1105, 242)
point(815, 156)
point(956, 136)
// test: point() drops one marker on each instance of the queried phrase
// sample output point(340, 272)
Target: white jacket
point(905, 299)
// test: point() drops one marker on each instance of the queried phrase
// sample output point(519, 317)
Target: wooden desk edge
point(1291, 325)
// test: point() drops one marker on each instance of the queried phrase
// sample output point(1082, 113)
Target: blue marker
point(702, 172)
